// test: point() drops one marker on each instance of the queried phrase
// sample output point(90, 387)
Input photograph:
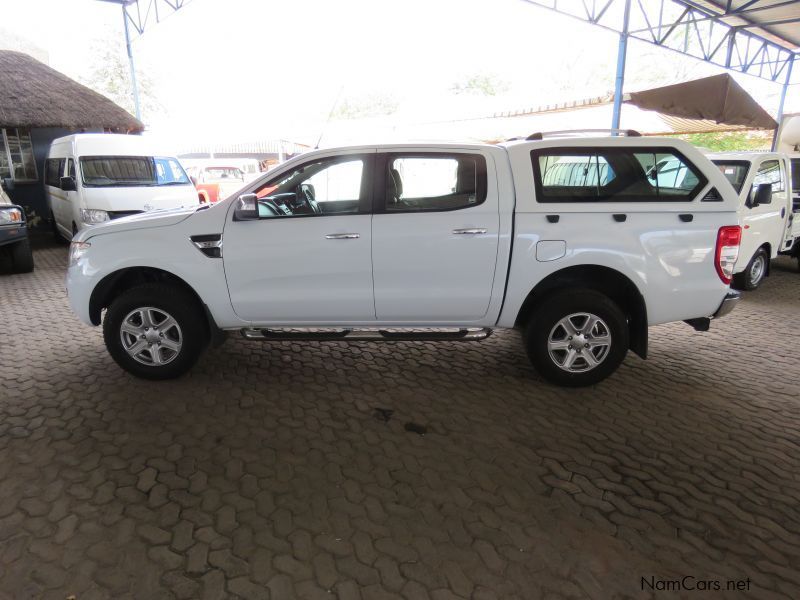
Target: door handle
point(342, 236)
point(469, 231)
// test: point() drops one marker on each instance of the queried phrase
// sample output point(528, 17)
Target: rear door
point(435, 233)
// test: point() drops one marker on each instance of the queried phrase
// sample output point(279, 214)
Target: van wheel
point(754, 274)
point(22, 257)
point(60, 239)
point(577, 337)
point(155, 331)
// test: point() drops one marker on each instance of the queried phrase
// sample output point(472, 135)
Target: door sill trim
point(368, 335)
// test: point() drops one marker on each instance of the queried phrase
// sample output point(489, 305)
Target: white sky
point(250, 69)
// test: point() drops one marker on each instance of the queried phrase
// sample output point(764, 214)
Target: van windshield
point(129, 171)
point(735, 171)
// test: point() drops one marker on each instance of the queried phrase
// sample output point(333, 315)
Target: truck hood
point(147, 220)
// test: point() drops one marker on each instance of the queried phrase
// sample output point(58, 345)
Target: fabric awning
point(718, 98)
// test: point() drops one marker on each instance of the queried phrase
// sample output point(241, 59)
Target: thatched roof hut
point(32, 95)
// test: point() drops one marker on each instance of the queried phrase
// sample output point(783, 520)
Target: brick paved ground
point(266, 472)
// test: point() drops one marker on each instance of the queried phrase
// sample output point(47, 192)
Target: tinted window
point(770, 172)
point(614, 175)
point(796, 174)
point(735, 171)
point(53, 168)
point(434, 182)
point(323, 187)
point(131, 171)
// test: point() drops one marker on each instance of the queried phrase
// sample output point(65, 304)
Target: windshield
point(735, 171)
point(130, 171)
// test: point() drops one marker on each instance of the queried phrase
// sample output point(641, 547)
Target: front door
point(434, 237)
point(307, 260)
point(71, 205)
point(765, 224)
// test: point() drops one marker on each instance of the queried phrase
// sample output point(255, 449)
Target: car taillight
point(727, 251)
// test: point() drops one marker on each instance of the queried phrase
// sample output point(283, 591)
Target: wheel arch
point(605, 280)
point(113, 284)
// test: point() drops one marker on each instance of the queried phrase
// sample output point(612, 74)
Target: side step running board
point(367, 335)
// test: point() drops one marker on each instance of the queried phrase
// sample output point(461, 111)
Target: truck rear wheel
point(577, 337)
point(155, 331)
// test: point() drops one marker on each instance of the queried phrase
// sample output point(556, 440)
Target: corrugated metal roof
point(775, 20)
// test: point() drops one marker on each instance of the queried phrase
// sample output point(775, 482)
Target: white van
point(769, 226)
point(92, 178)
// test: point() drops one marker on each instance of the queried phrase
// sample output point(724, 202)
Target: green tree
point(109, 74)
point(731, 141)
point(372, 105)
point(480, 84)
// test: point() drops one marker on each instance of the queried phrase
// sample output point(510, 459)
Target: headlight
point(92, 217)
point(10, 215)
point(76, 251)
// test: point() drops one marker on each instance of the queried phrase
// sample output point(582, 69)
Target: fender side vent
point(712, 196)
point(209, 244)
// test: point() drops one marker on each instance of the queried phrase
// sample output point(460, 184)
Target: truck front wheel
point(22, 256)
point(155, 331)
point(754, 274)
point(577, 337)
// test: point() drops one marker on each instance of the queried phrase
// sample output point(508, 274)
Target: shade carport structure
point(718, 99)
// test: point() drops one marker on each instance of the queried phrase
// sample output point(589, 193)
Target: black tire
point(22, 257)
point(753, 275)
point(544, 322)
point(60, 239)
point(173, 301)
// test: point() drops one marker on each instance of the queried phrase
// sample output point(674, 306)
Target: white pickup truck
point(770, 219)
point(581, 243)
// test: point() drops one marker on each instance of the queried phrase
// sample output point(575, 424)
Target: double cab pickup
point(580, 243)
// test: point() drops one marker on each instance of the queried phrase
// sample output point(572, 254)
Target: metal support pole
point(134, 87)
point(622, 56)
point(782, 102)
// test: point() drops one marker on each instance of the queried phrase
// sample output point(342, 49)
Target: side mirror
point(68, 184)
point(7, 184)
point(246, 208)
point(762, 195)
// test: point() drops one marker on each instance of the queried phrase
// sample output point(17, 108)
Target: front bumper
point(13, 232)
point(728, 304)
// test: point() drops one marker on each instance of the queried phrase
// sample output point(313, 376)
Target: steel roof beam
point(692, 30)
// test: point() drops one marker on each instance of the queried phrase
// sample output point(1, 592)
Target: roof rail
point(540, 135)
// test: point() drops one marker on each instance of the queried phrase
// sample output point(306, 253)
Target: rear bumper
point(728, 304)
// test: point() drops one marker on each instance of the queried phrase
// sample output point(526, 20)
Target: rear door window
point(429, 182)
point(615, 175)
